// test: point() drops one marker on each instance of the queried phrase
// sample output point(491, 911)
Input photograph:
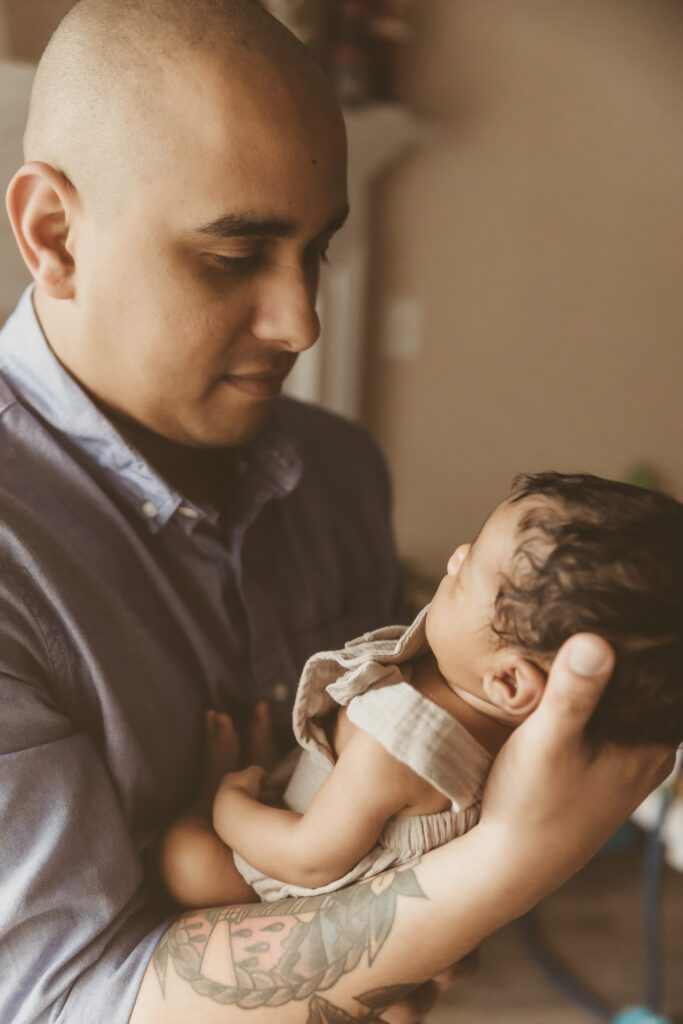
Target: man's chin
point(240, 428)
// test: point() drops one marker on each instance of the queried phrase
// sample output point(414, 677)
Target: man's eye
point(235, 262)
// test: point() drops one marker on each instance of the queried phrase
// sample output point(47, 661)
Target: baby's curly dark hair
point(603, 557)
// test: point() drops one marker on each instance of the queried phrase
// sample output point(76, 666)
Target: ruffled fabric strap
point(331, 678)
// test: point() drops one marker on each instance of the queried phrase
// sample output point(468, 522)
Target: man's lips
point(257, 385)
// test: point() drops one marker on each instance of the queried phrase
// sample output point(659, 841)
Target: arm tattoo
point(268, 954)
point(321, 1011)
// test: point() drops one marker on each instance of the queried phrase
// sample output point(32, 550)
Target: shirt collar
point(41, 382)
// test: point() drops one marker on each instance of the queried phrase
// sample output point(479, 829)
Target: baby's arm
point(366, 787)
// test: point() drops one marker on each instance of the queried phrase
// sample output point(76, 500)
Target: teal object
point(639, 1015)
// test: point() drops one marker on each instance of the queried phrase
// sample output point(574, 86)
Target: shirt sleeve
point(76, 931)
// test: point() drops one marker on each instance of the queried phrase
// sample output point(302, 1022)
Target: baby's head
point(569, 554)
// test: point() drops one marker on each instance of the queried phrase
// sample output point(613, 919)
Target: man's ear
point(41, 203)
point(515, 685)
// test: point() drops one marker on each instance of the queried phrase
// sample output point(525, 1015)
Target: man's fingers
point(415, 1007)
point(259, 741)
point(577, 678)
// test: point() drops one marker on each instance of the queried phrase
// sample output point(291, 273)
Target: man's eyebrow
point(248, 225)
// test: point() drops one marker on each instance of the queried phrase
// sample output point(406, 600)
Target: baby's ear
point(515, 685)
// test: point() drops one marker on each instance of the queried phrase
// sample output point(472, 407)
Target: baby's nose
point(456, 560)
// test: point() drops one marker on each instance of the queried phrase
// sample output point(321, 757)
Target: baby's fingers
point(248, 780)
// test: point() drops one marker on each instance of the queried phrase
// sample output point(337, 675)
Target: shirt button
point(189, 513)
point(280, 692)
point(150, 509)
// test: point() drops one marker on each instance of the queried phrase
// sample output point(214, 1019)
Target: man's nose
point(286, 313)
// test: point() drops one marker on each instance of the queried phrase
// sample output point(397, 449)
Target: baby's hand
point(247, 781)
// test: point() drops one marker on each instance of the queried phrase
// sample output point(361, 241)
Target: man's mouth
point(257, 385)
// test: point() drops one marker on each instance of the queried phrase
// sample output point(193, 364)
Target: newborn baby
point(399, 729)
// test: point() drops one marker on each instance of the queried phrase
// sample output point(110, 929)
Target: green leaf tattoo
point(269, 954)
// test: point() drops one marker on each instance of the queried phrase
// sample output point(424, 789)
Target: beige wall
point(30, 23)
point(542, 236)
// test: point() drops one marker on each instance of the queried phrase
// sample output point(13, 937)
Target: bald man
point(175, 536)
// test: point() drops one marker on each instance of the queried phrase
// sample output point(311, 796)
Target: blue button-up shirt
point(125, 611)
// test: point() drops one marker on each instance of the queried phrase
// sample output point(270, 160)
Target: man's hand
point(554, 796)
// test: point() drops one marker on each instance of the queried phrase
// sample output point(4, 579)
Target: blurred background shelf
point(593, 923)
point(332, 372)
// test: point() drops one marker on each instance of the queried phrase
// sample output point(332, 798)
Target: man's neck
point(203, 475)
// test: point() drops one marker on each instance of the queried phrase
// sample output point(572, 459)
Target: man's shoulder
point(21, 434)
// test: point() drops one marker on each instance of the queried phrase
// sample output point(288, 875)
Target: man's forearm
point(358, 948)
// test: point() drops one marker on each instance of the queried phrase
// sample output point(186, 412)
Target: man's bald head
point(97, 105)
point(186, 171)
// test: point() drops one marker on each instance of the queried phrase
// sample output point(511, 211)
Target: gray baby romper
point(371, 677)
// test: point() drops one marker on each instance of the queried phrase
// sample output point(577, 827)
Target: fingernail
point(586, 657)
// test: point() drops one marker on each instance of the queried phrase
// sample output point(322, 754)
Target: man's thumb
point(576, 681)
